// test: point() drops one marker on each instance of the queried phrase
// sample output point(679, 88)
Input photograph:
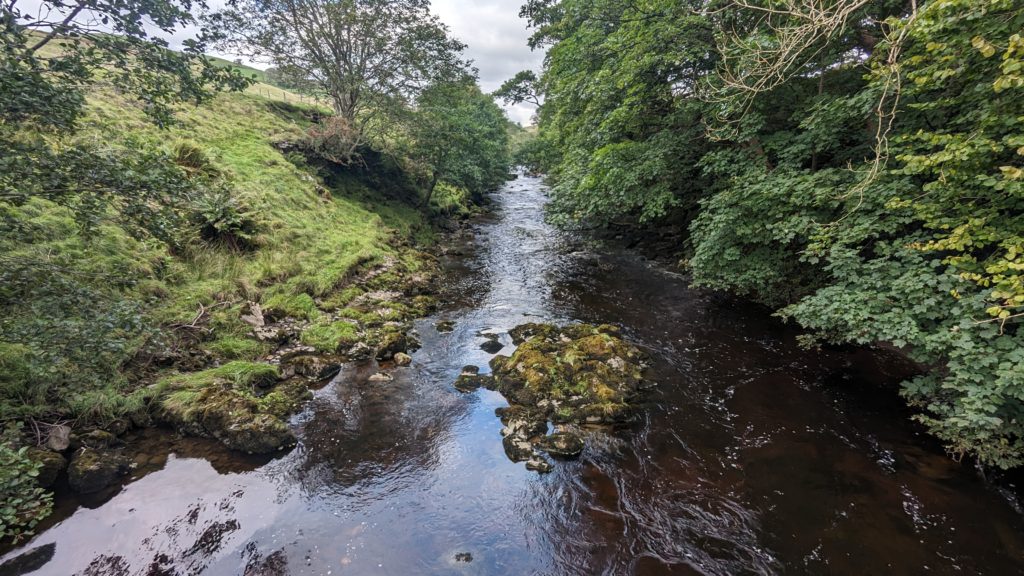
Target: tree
point(52, 52)
point(520, 88)
point(291, 78)
point(459, 136)
point(370, 57)
point(855, 164)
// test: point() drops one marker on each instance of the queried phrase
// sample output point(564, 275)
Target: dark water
point(753, 456)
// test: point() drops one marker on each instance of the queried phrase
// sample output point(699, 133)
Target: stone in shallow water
point(445, 326)
point(518, 449)
point(380, 377)
point(471, 379)
point(539, 465)
point(402, 359)
point(492, 346)
point(562, 445)
point(93, 470)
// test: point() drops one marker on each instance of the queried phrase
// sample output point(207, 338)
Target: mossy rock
point(93, 470)
point(232, 417)
point(52, 464)
point(394, 342)
point(580, 373)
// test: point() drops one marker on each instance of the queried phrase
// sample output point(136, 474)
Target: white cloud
point(496, 37)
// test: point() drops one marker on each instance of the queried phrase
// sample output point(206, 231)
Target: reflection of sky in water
point(752, 456)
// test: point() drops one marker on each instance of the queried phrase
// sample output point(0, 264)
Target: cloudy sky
point(496, 37)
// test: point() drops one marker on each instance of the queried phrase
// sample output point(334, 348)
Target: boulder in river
point(492, 346)
point(392, 343)
point(211, 405)
point(93, 470)
point(562, 445)
point(402, 359)
point(470, 379)
point(578, 373)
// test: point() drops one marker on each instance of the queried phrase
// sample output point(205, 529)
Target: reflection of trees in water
point(374, 434)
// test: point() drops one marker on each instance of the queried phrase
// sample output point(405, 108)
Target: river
point(752, 455)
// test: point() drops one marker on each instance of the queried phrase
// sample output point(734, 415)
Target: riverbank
point(224, 336)
point(752, 454)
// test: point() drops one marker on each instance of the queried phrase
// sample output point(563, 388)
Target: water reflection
point(752, 457)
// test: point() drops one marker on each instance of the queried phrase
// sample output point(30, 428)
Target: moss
point(578, 372)
point(361, 316)
point(342, 298)
point(330, 336)
point(285, 400)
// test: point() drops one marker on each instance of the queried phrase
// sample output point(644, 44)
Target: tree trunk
point(430, 193)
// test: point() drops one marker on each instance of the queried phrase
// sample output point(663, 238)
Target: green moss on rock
point(579, 373)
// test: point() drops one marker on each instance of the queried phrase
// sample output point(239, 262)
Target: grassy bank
point(163, 310)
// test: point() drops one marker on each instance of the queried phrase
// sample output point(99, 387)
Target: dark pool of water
point(752, 456)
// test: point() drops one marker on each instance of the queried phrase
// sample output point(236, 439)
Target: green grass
point(330, 336)
point(312, 240)
point(238, 374)
point(247, 71)
point(311, 244)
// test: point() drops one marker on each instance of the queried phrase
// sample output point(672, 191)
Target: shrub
point(22, 502)
point(225, 220)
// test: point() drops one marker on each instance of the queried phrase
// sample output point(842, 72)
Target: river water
point(752, 456)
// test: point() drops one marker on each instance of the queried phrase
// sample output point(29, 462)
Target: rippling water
point(752, 457)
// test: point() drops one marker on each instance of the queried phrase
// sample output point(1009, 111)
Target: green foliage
point(520, 88)
point(225, 220)
point(22, 502)
point(616, 138)
point(459, 136)
point(391, 50)
point(865, 181)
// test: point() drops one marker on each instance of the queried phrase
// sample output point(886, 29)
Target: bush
point(22, 502)
point(333, 139)
point(225, 220)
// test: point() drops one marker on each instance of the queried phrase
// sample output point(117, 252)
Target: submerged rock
point(380, 377)
point(93, 470)
point(445, 326)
